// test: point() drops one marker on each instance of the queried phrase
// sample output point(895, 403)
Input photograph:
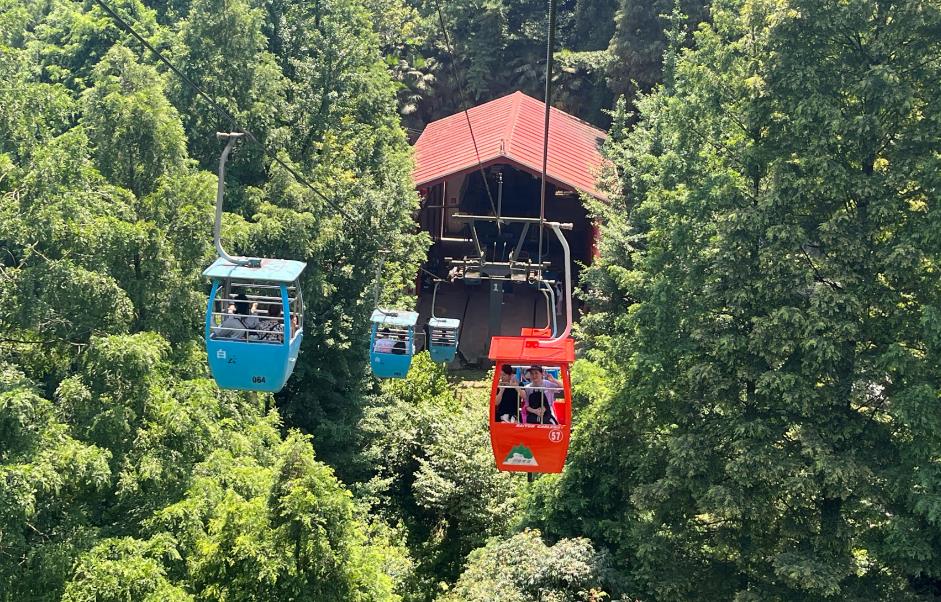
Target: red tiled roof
point(510, 130)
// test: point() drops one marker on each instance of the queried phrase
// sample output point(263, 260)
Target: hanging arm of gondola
point(549, 293)
point(556, 227)
point(220, 192)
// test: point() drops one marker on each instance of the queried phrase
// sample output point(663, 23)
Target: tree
point(522, 568)
point(124, 569)
point(136, 133)
point(142, 480)
point(222, 47)
point(434, 473)
point(30, 112)
point(49, 482)
point(272, 523)
point(349, 143)
point(69, 38)
point(593, 24)
point(770, 241)
point(639, 42)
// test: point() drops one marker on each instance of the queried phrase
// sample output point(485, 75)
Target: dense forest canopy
point(758, 394)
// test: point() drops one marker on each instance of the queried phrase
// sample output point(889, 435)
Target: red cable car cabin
point(536, 439)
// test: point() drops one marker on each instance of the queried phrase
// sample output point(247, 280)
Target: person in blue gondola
point(539, 400)
point(238, 321)
point(509, 395)
point(384, 341)
point(272, 328)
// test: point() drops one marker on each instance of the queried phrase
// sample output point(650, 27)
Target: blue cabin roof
point(394, 317)
point(271, 270)
point(449, 323)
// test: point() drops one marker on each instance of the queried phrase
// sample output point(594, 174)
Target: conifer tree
point(769, 314)
point(639, 42)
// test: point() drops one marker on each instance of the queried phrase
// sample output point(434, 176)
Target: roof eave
point(508, 159)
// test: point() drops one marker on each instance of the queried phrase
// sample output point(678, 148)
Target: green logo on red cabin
point(520, 455)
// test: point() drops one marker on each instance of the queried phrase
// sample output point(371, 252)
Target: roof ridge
point(509, 129)
point(578, 120)
point(512, 118)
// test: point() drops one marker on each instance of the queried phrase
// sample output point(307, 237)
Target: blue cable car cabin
point(254, 323)
point(392, 342)
point(442, 339)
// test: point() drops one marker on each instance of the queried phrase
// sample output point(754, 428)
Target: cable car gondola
point(245, 352)
point(442, 339)
point(392, 342)
point(530, 420)
point(531, 442)
point(255, 315)
point(441, 333)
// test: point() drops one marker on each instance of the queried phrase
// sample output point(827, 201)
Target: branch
point(817, 275)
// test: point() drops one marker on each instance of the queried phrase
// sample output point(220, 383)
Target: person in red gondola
point(540, 397)
point(509, 395)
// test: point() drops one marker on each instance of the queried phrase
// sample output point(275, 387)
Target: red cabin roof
point(545, 333)
point(532, 350)
point(510, 130)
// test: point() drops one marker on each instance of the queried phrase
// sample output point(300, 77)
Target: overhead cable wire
point(433, 275)
point(222, 111)
point(550, 48)
point(465, 107)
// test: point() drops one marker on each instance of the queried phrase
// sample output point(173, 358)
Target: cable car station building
point(474, 167)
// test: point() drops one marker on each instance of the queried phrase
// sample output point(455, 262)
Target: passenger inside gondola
point(384, 341)
point(391, 340)
point(539, 398)
point(238, 321)
point(509, 395)
point(272, 328)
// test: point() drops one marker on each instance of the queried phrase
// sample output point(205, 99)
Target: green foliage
point(765, 282)
point(523, 568)
point(348, 132)
point(434, 472)
point(222, 45)
point(593, 24)
point(758, 399)
point(271, 522)
point(137, 134)
point(498, 47)
point(68, 38)
point(639, 41)
point(142, 480)
point(30, 112)
point(124, 569)
point(65, 301)
point(48, 483)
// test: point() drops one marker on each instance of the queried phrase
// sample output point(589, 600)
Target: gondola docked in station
point(441, 334)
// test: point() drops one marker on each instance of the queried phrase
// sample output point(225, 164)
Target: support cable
point(223, 112)
point(550, 49)
point(464, 107)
